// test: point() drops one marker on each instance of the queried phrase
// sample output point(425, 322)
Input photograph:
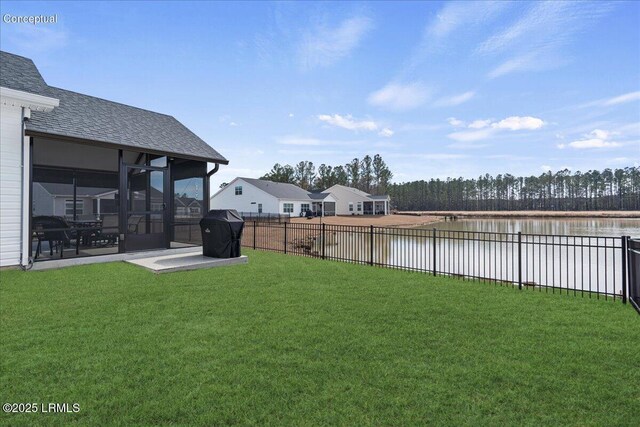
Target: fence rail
point(633, 249)
point(579, 265)
point(265, 217)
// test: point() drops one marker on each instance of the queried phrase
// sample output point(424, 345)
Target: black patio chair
point(56, 231)
point(109, 229)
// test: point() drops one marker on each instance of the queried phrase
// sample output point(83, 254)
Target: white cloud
point(519, 123)
point(616, 100)
point(535, 40)
point(386, 132)
point(348, 122)
point(396, 96)
point(597, 138)
point(324, 46)
point(233, 124)
point(627, 97)
point(518, 63)
point(313, 142)
point(455, 122)
point(452, 101)
point(459, 15)
point(291, 115)
point(483, 129)
point(592, 143)
point(471, 135)
point(479, 124)
point(545, 168)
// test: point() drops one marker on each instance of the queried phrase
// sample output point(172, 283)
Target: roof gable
point(20, 73)
point(279, 190)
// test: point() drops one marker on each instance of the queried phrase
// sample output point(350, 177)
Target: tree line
point(370, 175)
point(564, 190)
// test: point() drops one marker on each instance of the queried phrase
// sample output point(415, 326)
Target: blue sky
point(437, 88)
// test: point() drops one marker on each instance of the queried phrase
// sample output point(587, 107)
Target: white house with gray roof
point(258, 196)
point(351, 201)
point(93, 174)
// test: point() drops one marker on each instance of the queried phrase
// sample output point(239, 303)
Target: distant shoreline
point(526, 214)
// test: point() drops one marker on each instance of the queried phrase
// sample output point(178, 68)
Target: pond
point(552, 226)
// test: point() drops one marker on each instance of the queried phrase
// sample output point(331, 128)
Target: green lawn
point(299, 341)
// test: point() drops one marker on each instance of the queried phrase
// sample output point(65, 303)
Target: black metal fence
point(579, 265)
point(265, 217)
point(634, 272)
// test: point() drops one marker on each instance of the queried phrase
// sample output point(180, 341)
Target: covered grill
point(221, 233)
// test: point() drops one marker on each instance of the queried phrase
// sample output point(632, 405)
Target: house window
point(350, 207)
point(259, 208)
point(68, 207)
point(287, 207)
point(304, 207)
point(359, 206)
point(238, 190)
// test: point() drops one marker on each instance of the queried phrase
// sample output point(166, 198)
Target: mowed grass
point(287, 340)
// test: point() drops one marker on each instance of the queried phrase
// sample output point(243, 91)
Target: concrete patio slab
point(160, 261)
point(184, 261)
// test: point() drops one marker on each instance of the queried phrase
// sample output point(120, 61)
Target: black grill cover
point(221, 233)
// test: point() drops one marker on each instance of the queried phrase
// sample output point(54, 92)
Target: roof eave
point(19, 98)
point(67, 138)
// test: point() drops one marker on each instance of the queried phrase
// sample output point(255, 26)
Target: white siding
point(297, 206)
point(344, 196)
point(227, 199)
point(10, 171)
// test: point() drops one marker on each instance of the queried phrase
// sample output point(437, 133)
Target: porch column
point(26, 202)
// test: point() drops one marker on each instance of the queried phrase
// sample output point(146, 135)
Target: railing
point(578, 265)
point(633, 248)
point(265, 217)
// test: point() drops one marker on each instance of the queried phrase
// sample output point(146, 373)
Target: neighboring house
point(351, 201)
point(90, 153)
point(57, 200)
point(261, 196)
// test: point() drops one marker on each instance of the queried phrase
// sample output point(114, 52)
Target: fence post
point(285, 237)
point(323, 241)
point(371, 244)
point(625, 254)
point(520, 260)
point(433, 249)
point(254, 235)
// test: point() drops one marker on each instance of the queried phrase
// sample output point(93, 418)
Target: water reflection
point(552, 226)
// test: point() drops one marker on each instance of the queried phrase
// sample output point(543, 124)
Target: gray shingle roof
point(318, 196)
point(385, 197)
point(20, 73)
point(89, 118)
point(279, 190)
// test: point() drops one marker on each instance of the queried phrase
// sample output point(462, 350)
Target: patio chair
point(109, 229)
point(133, 222)
point(54, 230)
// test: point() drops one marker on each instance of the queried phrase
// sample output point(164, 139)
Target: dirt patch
point(375, 220)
